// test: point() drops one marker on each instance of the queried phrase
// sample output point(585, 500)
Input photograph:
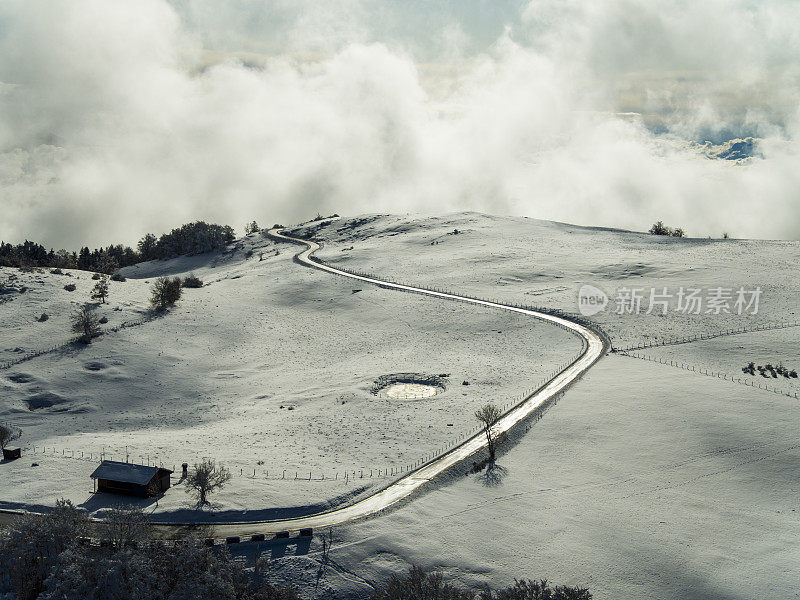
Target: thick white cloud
point(118, 118)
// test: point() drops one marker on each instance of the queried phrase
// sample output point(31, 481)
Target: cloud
point(118, 118)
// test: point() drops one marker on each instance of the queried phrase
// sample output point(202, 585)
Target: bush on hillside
point(251, 227)
point(660, 229)
point(166, 292)
point(8, 434)
point(417, 584)
point(117, 276)
point(86, 324)
point(70, 287)
point(192, 281)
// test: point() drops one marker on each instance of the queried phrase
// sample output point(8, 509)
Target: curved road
point(593, 349)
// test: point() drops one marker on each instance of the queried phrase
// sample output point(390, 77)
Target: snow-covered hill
point(644, 481)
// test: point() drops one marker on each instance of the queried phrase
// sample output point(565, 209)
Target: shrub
point(166, 292)
point(249, 253)
point(86, 324)
point(56, 271)
point(9, 433)
point(70, 287)
point(117, 276)
point(43, 317)
point(419, 585)
point(192, 281)
point(96, 276)
point(103, 320)
point(660, 229)
point(251, 227)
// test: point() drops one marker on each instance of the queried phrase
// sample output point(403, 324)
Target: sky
point(119, 118)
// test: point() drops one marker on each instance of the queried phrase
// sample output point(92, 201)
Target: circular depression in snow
point(409, 386)
point(410, 391)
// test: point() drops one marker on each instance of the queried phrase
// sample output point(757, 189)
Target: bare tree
point(126, 527)
point(100, 290)
point(488, 416)
point(8, 433)
point(205, 478)
point(86, 324)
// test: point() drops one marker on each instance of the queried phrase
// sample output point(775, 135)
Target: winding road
point(594, 347)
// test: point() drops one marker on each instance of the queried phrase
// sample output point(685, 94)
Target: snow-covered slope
point(269, 369)
point(645, 481)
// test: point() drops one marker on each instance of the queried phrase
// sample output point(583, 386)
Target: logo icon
point(591, 300)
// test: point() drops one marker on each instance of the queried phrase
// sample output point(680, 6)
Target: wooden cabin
point(129, 479)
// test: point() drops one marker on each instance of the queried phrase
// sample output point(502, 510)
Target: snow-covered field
point(545, 263)
point(644, 481)
point(268, 369)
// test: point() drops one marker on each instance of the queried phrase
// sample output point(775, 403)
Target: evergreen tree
point(100, 290)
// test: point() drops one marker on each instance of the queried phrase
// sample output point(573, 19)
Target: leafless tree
point(205, 478)
point(488, 416)
point(126, 527)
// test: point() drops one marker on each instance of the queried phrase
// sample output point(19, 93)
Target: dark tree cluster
point(420, 585)
point(49, 557)
point(769, 371)
point(45, 557)
point(101, 260)
point(189, 239)
point(661, 229)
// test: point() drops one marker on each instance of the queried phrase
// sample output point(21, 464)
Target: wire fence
point(57, 347)
point(674, 340)
point(750, 382)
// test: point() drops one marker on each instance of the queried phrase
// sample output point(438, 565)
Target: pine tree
point(100, 290)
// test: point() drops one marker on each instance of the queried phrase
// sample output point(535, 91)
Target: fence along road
point(594, 348)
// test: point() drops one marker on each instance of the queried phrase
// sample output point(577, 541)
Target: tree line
point(188, 239)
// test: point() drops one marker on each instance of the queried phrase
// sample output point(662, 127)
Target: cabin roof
point(127, 472)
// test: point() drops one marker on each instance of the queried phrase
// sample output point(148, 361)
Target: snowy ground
point(269, 363)
point(645, 481)
point(545, 263)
